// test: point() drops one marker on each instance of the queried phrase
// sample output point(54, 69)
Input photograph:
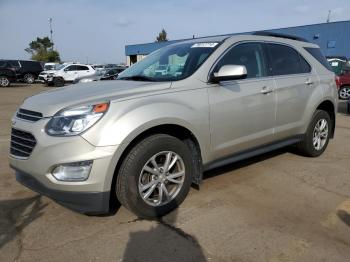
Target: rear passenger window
point(82, 68)
point(285, 60)
point(250, 55)
point(305, 66)
point(71, 68)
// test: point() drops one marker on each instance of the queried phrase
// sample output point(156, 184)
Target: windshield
point(49, 67)
point(59, 66)
point(170, 63)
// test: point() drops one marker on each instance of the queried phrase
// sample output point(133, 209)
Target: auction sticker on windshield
point(206, 45)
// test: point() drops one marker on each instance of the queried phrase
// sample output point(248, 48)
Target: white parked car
point(50, 66)
point(68, 73)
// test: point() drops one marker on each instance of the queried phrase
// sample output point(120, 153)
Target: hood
point(50, 102)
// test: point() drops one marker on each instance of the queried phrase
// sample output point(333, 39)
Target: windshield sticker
point(205, 45)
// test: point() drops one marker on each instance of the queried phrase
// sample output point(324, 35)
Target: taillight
point(337, 81)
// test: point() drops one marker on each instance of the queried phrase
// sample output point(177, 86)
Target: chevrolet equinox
point(184, 109)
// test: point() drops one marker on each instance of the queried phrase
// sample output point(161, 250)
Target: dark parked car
point(7, 75)
point(26, 70)
point(113, 73)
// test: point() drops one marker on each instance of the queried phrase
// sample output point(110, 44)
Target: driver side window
point(251, 55)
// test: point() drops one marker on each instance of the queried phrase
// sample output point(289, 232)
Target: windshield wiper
point(137, 78)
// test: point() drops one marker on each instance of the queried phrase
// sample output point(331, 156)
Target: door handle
point(309, 82)
point(266, 90)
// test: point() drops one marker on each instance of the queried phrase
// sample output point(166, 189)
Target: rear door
point(295, 81)
point(242, 112)
point(83, 71)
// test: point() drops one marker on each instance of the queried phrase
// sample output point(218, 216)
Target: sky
point(97, 31)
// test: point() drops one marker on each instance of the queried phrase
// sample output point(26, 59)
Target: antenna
point(329, 16)
point(50, 24)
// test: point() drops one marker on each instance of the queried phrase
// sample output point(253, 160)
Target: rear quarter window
point(317, 54)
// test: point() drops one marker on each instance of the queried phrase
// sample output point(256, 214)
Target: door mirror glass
point(229, 72)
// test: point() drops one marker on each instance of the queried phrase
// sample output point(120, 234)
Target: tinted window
point(13, 63)
point(285, 60)
point(30, 65)
point(305, 66)
point(71, 68)
point(317, 54)
point(82, 68)
point(250, 55)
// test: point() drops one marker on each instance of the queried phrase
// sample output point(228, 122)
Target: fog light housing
point(78, 171)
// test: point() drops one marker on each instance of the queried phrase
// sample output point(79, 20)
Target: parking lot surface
point(275, 207)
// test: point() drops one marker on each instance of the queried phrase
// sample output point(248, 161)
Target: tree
point(162, 36)
point(41, 49)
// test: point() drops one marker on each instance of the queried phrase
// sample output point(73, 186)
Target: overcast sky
point(98, 31)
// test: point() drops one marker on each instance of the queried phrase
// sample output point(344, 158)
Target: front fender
point(130, 118)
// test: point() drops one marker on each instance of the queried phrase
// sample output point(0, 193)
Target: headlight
point(73, 121)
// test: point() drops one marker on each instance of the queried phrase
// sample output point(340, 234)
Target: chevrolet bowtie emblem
point(13, 122)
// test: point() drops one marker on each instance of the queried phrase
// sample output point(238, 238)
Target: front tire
point(58, 82)
point(316, 139)
point(155, 176)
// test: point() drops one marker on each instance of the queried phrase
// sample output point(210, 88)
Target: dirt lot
point(276, 207)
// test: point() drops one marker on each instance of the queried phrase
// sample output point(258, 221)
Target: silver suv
point(146, 137)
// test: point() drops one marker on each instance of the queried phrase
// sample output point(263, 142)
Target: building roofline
point(249, 32)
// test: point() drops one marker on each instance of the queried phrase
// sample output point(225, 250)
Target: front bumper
point(89, 196)
point(83, 202)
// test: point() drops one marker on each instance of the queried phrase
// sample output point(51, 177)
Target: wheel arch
point(329, 107)
point(176, 130)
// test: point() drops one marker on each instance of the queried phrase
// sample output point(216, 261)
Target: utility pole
point(50, 24)
point(329, 16)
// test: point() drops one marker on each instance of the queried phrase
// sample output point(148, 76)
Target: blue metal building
point(333, 38)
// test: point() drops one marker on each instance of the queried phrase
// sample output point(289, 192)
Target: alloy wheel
point(320, 134)
point(29, 79)
point(4, 81)
point(161, 178)
point(344, 93)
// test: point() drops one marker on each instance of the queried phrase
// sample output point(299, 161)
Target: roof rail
point(292, 37)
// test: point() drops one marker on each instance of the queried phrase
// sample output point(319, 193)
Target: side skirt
point(251, 152)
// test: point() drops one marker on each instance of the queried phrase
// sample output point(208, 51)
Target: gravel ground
point(276, 207)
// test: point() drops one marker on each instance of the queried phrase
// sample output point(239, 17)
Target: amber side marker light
point(101, 108)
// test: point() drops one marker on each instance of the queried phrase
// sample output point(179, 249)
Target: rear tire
point(4, 81)
point(316, 139)
point(145, 165)
point(29, 78)
point(58, 81)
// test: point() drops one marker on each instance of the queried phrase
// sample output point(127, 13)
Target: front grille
point(22, 143)
point(29, 115)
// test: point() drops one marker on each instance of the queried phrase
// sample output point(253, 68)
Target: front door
point(242, 112)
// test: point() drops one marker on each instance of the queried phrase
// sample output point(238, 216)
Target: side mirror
point(229, 72)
